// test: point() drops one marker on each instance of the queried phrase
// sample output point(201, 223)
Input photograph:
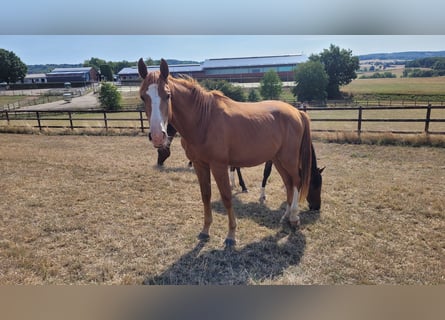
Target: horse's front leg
point(203, 172)
point(221, 176)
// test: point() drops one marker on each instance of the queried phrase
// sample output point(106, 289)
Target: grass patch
point(413, 86)
point(382, 139)
point(93, 209)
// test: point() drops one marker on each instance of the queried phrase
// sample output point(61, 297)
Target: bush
point(230, 90)
point(253, 96)
point(109, 97)
point(271, 85)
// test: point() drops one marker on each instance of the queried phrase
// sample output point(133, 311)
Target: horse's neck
point(187, 116)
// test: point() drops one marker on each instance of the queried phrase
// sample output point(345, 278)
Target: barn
point(252, 69)
point(84, 75)
point(244, 69)
point(130, 74)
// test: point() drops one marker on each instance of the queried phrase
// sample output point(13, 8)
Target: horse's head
point(155, 93)
point(314, 195)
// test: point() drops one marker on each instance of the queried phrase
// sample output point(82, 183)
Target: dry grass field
point(95, 209)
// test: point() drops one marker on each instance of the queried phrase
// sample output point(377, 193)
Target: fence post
point(142, 121)
point(359, 123)
point(71, 120)
point(38, 120)
point(105, 121)
point(7, 116)
point(427, 119)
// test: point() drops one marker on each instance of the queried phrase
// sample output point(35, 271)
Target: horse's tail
point(305, 157)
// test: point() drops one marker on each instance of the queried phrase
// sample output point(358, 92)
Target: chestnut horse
point(216, 132)
point(164, 154)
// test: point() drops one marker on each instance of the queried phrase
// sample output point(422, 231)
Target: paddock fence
point(373, 119)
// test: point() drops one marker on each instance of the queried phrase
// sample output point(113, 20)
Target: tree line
point(431, 67)
point(319, 78)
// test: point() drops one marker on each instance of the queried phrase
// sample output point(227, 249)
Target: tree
point(271, 85)
point(105, 71)
point(109, 97)
point(94, 62)
point(340, 66)
point(12, 69)
point(230, 90)
point(311, 81)
point(119, 65)
point(253, 96)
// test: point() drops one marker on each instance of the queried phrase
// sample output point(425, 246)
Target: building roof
point(289, 59)
point(35, 75)
point(179, 68)
point(69, 70)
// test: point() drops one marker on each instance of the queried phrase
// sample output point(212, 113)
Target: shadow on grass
point(173, 169)
point(253, 263)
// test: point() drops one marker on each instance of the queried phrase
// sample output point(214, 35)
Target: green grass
point(4, 100)
point(405, 88)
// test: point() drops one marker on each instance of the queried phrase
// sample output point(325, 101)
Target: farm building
point(74, 75)
point(251, 69)
point(35, 78)
point(244, 69)
point(131, 74)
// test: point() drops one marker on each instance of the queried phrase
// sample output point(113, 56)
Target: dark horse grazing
point(216, 132)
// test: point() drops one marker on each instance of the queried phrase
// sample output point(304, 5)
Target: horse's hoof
point(203, 237)
point(295, 224)
point(245, 191)
point(229, 243)
point(262, 199)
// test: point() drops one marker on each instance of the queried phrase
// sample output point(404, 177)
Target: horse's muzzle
point(158, 140)
point(314, 207)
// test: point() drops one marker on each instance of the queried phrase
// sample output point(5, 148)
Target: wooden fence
point(136, 119)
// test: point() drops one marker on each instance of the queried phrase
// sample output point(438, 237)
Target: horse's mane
point(204, 100)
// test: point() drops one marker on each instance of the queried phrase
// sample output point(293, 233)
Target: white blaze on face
point(157, 124)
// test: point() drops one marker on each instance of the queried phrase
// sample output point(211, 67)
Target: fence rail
point(136, 119)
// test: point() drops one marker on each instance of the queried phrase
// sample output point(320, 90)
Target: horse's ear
point(142, 68)
point(321, 170)
point(164, 69)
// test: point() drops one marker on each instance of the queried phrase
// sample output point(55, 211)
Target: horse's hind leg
point(290, 183)
point(241, 180)
point(222, 180)
point(266, 174)
point(232, 177)
point(203, 173)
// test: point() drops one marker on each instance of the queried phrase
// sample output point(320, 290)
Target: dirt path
point(87, 101)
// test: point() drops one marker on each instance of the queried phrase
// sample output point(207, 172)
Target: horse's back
point(253, 133)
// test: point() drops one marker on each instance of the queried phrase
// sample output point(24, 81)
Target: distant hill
point(408, 55)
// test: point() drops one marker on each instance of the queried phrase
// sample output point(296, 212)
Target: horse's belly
point(252, 155)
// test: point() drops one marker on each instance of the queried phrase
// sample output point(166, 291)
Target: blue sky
point(45, 49)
